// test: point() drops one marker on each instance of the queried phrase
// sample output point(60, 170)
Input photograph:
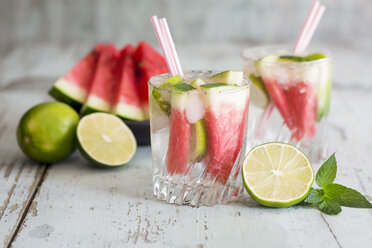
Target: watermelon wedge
point(127, 103)
point(148, 63)
point(100, 96)
point(225, 122)
point(72, 88)
point(179, 136)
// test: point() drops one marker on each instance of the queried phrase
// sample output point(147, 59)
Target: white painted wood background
point(73, 204)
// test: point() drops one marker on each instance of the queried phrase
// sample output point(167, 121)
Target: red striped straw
point(162, 42)
point(307, 31)
point(165, 28)
point(167, 45)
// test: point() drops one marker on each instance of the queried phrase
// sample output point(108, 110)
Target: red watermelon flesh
point(73, 87)
point(101, 93)
point(302, 98)
point(276, 92)
point(82, 73)
point(149, 63)
point(179, 140)
point(226, 122)
point(127, 103)
point(297, 103)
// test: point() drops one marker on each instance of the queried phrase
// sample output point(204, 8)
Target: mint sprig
point(332, 196)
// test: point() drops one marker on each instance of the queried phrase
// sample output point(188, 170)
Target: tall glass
point(198, 141)
point(293, 104)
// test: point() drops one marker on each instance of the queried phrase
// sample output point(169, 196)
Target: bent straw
point(173, 51)
point(162, 42)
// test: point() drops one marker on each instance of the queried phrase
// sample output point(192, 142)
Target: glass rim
point(165, 76)
point(313, 49)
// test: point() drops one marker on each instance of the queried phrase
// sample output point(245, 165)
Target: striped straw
point(167, 45)
point(307, 31)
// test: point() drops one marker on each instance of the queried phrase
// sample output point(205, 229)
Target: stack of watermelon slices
point(111, 80)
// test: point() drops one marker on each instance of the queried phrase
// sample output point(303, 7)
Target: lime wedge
point(315, 56)
point(105, 140)
point(259, 95)
point(228, 77)
point(161, 97)
point(277, 174)
point(198, 140)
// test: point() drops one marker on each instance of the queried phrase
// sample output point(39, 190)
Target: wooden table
point(73, 204)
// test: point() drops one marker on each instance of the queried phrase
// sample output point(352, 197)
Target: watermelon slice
point(100, 97)
point(127, 103)
point(179, 136)
point(225, 121)
point(148, 63)
point(72, 88)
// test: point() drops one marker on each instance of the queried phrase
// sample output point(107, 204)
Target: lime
point(46, 132)
point(259, 95)
point(277, 174)
point(105, 140)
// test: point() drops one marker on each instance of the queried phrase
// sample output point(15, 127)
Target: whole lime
point(47, 132)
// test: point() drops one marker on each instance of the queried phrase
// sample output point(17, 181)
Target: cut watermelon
point(100, 97)
point(225, 121)
point(148, 63)
point(127, 103)
point(72, 88)
point(179, 136)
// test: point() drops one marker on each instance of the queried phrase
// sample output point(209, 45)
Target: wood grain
point(19, 177)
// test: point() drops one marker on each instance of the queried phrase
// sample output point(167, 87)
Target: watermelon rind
point(95, 104)
point(228, 77)
point(68, 93)
point(129, 112)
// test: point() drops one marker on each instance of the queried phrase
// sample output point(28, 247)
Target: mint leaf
point(346, 197)
point(327, 172)
point(329, 206)
point(315, 196)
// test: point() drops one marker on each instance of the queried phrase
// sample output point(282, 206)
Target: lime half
point(277, 174)
point(105, 140)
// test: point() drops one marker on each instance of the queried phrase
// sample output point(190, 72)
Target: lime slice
point(198, 140)
point(259, 95)
point(277, 174)
point(161, 97)
point(315, 56)
point(105, 140)
point(228, 77)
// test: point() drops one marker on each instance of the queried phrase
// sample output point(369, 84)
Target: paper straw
point(312, 28)
point(298, 48)
point(162, 42)
point(167, 45)
point(173, 51)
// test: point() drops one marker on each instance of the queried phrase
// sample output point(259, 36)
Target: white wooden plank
point(19, 177)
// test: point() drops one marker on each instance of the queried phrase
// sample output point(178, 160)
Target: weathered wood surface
point(19, 177)
point(81, 205)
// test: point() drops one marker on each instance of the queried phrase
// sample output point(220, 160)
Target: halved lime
point(277, 174)
point(105, 140)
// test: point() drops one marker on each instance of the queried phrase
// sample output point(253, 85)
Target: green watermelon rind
point(68, 93)
point(95, 104)
point(129, 112)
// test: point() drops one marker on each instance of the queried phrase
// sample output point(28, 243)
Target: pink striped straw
point(162, 42)
point(308, 29)
point(169, 39)
point(167, 45)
